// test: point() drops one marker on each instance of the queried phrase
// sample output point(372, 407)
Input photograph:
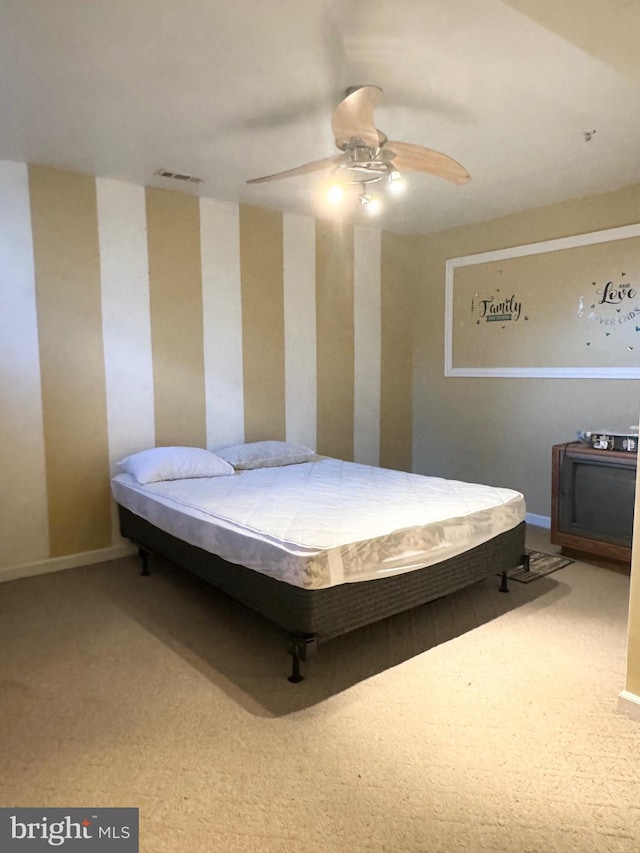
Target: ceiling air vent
point(179, 176)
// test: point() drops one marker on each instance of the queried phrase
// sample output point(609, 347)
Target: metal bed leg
point(144, 556)
point(302, 648)
point(295, 677)
point(525, 562)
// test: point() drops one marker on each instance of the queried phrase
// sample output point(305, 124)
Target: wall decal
point(541, 334)
point(617, 305)
point(496, 309)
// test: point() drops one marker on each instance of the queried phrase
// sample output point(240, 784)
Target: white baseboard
point(70, 561)
point(629, 703)
point(538, 520)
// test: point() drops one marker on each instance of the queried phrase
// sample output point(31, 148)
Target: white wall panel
point(222, 313)
point(126, 326)
point(24, 534)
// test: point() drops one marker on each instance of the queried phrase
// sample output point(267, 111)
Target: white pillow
point(266, 454)
point(174, 463)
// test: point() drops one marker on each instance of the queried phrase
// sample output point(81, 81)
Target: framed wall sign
point(562, 308)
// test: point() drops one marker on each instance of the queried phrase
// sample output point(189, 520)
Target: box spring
point(327, 613)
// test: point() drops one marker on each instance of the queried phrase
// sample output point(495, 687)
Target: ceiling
point(229, 91)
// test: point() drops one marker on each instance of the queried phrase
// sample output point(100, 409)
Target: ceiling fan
point(367, 155)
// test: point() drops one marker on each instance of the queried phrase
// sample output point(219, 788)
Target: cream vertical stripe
point(262, 323)
point(366, 335)
point(24, 532)
point(299, 241)
point(222, 317)
point(126, 325)
point(335, 353)
point(67, 271)
point(175, 290)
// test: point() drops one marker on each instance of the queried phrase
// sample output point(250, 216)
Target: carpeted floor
point(482, 722)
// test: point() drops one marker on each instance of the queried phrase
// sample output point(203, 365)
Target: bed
point(318, 546)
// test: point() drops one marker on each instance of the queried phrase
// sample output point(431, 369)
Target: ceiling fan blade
point(353, 117)
point(420, 159)
point(307, 168)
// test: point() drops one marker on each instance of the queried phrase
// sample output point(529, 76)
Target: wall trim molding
point(629, 703)
point(591, 238)
point(538, 520)
point(69, 561)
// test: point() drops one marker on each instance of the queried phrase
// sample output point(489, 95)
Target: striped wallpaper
point(133, 317)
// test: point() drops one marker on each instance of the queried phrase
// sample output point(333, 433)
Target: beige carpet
point(483, 722)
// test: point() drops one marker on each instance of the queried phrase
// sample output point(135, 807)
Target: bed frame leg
point(295, 677)
point(144, 556)
point(302, 648)
point(525, 562)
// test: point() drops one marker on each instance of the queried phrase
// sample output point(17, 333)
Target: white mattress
point(327, 522)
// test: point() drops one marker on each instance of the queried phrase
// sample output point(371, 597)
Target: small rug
point(539, 565)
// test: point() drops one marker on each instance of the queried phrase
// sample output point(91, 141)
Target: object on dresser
point(611, 439)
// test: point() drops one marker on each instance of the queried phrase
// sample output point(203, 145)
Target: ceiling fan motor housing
point(359, 153)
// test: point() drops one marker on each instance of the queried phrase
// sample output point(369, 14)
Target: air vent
point(179, 176)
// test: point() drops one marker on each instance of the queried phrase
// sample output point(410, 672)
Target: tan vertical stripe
point(175, 296)
point(24, 522)
point(396, 410)
point(262, 323)
point(335, 338)
point(67, 272)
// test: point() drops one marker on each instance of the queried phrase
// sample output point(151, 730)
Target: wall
point(496, 430)
point(133, 317)
point(633, 634)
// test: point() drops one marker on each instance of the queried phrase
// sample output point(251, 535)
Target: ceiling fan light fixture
point(361, 172)
point(335, 194)
point(395, 182)
point(369, 203)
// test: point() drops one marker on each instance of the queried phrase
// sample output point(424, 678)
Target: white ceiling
point(234, 90)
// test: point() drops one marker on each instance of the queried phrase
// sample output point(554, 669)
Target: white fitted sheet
point(326, 522)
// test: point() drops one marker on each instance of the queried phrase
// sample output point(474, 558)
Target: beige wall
point(559, 320)
point(500, 430)
point(261, 268)
point(175, 298)
point(335, 337)
point(136, 316)
point(67, 280)
point(633, 639)
point(400, 268)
